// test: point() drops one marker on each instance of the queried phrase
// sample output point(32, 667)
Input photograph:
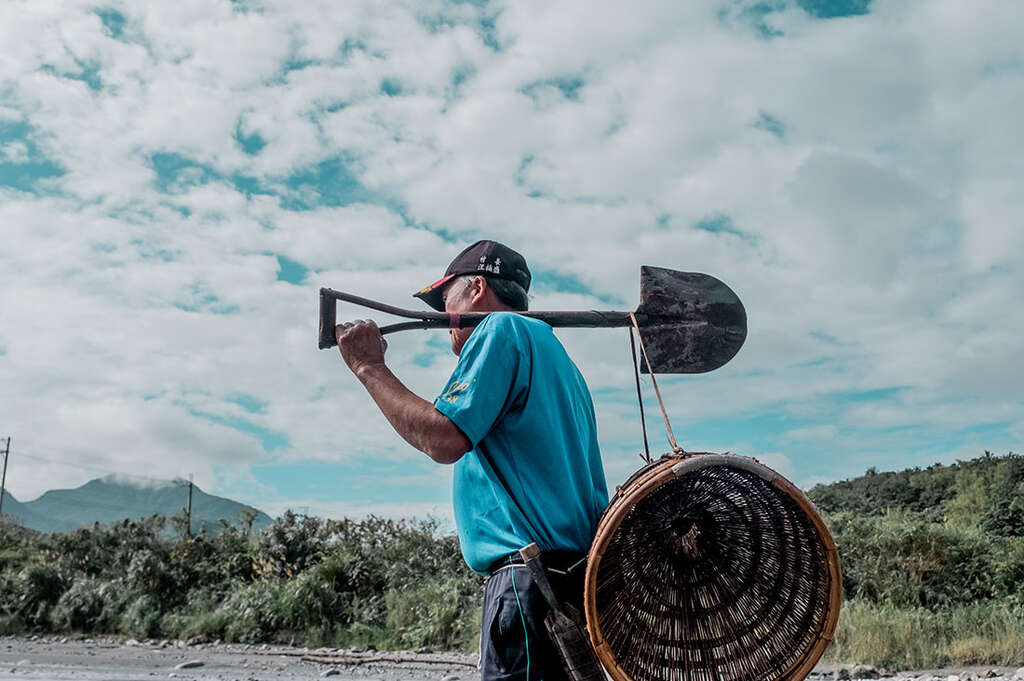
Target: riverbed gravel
point(53, 658)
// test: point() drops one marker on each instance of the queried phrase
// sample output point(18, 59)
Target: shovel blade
point(699, 323)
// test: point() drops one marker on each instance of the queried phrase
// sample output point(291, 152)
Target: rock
point(1019, 674)
point(329, 672)
point(64, 640)
point(191, 664)
point(841, 674)
point(34, 637)
point(864, 671)
point(131, 642)
point(450, 677)
point(989, 674)
point(425, 650)
point(953, 677)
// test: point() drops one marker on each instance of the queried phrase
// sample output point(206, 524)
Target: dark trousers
point(514, 644)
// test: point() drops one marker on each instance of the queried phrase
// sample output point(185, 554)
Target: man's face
point(458, 297)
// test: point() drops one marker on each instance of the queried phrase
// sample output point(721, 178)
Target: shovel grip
point(328, 320)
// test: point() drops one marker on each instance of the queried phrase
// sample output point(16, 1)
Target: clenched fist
point(361, 344)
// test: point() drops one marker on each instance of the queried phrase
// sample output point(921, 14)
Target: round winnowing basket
point(711, 567)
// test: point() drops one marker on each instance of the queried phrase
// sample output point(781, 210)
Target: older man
point(517, 420)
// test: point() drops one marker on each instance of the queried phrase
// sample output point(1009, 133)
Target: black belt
point(556, 561)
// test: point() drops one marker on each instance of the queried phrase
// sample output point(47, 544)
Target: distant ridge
point(114, 498)
point(987, 492)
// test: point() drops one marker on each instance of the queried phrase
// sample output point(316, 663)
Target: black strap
point(639, 396)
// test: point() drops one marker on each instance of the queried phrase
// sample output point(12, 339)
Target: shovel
point(689, 322)
point(565, 626)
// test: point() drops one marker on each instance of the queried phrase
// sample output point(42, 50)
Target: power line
point(93, 468)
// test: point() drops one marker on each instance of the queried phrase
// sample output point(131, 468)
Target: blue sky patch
point(489, 33)
point(369, 480)
point(250, 144)
point(328, 183)
point(860, 396)
point(22, 164)
point(460, 75)
point(720, 224)
point(832, 9)
point(200, 300)
point(148, 251)
point(88, 73)
point(754, 15)
point(113, 21)
point(391, 87)
point(249, 186)
point(769, 123)
point(271, 440)
point(175, 172)
point(757, 14)
point(250, 403)
point(564, 282)
point(291, 271)
point(440, 347)
point(569, 86)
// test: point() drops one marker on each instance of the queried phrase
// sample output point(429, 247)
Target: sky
point(178, 179)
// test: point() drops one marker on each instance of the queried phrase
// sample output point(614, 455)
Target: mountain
point(12, 508)
point(113, 498)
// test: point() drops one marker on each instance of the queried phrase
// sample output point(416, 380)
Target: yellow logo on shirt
point(456, 389)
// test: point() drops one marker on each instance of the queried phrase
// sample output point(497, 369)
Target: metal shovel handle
point(447, 320)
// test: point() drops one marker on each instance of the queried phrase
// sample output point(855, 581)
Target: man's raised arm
point(416, 420)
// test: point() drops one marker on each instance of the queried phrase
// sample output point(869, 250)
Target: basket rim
point(670, 466)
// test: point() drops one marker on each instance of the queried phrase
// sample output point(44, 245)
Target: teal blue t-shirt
point(526, 409)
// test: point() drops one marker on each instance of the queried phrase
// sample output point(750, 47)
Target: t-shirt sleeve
point(486, 382)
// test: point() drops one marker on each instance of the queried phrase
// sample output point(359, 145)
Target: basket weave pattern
point(715, 575)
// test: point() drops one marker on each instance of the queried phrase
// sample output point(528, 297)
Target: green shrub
point(903, 561)
point(141, 619)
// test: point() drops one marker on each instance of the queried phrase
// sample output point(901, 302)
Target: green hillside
point(933, 563)
point(986, 493)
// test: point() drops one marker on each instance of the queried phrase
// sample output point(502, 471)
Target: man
point(516, 419)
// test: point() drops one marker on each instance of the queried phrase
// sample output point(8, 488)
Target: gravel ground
point(56, 659)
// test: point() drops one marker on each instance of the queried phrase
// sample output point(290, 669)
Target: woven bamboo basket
point(711, 567)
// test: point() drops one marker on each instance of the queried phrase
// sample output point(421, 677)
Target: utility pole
point(189, 530)
point(3, 479)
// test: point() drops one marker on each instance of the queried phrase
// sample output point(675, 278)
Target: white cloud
point(880, 243)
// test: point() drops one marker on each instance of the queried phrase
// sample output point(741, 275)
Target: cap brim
point(433, 295)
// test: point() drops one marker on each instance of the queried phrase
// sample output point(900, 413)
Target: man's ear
point(479, 289)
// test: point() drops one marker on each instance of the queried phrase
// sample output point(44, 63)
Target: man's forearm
point(415, 419)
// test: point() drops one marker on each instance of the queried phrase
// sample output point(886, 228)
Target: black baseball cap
point(487, 258)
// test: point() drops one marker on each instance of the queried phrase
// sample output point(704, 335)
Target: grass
point(917, 639)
